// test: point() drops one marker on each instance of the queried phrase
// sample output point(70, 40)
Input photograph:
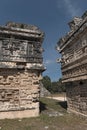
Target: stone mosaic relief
point(18, 90)
point(75, 72)
point(9, 81)
point(75, 51)
point(13, 49)
point(73, 47)
point(9, 99)
point(20, 50)
point(21, 65)
point(77, 96)
point(28, 97)
point(30, 94)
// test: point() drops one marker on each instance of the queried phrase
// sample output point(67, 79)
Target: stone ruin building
point(73, 49)
point(21, 65)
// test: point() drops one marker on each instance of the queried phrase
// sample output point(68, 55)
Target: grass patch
point(53, 116)
point(62, 94)
point(47, 104)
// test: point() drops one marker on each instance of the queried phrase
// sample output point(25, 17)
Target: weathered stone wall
point(74, 66)
point(19, 91)
point(77, 97)
point(73, 49)
point(21, 67)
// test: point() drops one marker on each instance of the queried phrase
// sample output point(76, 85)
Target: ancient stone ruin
point(73, 48)
point(21, 65)
point(43, 91)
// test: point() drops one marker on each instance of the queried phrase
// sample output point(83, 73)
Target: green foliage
point(47, 82)
point(61, 86)
point(53, 87)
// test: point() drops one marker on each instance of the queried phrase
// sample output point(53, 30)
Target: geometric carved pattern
point(18, 90)
point(21, 65)
point(75, 72)
point(9, 99)
point(77, 97)
point(73, 48)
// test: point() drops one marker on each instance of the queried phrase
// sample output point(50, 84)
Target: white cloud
point(47, 62)
point(70, 6)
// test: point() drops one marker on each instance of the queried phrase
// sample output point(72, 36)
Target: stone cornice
point(67, 39)
point(21, 32)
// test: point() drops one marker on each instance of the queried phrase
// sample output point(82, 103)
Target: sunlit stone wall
point(73, 49)
point(21, 66)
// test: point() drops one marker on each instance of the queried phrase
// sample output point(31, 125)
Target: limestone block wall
point(19, 93)
point(73, 49)
point(21, 66)
point(77, 97)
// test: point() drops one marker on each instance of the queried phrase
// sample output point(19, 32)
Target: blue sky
point(51, 16)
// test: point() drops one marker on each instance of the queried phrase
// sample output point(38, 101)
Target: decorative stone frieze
point(73, 49)
point(21, 66)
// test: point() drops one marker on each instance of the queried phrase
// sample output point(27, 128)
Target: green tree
point(58, 86)
point(61, 86)
point(54, 88)
point(46, 82)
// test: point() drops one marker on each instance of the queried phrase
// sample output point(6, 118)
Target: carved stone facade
point(73, 48)
point(21, 66)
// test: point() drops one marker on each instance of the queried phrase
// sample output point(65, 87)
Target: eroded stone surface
point(21, 65)
point(73, 48)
